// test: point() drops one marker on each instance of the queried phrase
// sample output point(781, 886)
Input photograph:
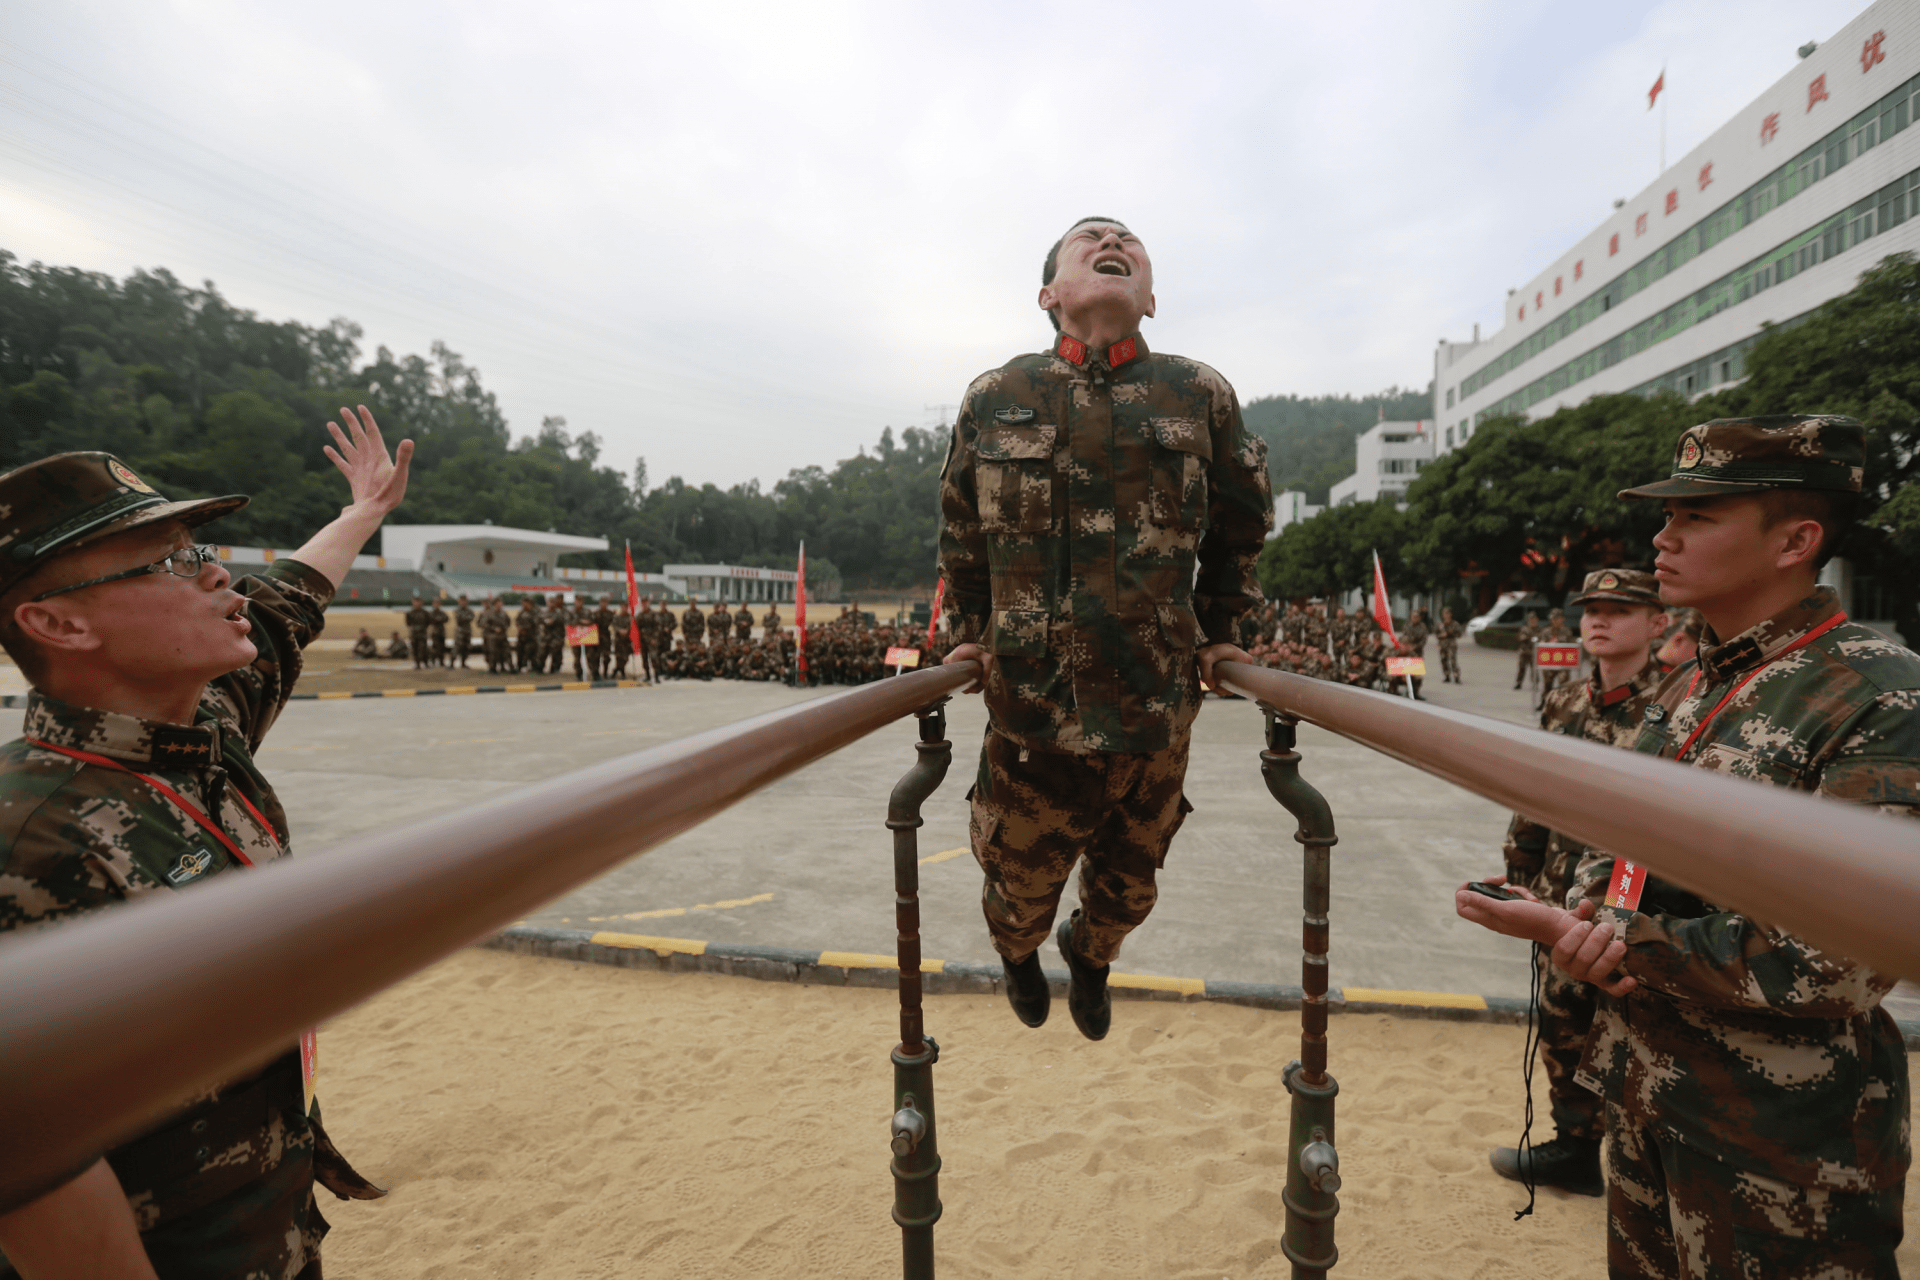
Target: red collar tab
point(1614, 696)
point(1122, 351)
point(1072, 350)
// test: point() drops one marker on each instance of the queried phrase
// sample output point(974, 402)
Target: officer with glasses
point(155, 676)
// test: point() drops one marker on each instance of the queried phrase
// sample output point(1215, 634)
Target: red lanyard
point(1692, 684)
point(185, 805)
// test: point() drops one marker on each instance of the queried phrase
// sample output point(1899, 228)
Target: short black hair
point(1836, 511)
point(1052, 264)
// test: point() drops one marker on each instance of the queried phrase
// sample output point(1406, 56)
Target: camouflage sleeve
point(1525, 850)
point(287, 606)
point(1729, 961)
point(963, 542)
point(1239, 516)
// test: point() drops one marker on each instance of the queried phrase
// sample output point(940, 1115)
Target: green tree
point(1333, 551)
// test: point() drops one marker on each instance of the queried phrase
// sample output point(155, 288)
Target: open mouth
point(1113, 264)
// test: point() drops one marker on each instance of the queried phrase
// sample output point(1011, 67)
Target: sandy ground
point(541, 1118)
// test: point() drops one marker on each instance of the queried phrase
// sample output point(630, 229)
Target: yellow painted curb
point(859, 960)
point(1151, 982)
point(463, 689)
point(344, 693)
point(662, 946)
point(521, 688)
point(574, 686)
point(397, 693)
point(1428, 999)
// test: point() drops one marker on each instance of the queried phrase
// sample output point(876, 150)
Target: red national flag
point(1381, 613)
point(933, 624)
point(1654, 93)
point(633, 606)
point(800, 616)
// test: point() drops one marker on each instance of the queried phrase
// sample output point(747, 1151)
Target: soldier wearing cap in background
point(437, 632)
point(417, 618)
point(623, 630)
point(1621, 617)
point(1757, 1092)
point(1530, 631)
point(743, 624)
point(1103, 506)
point(1682, 642)
point(526, 633)
point(155, 677)
point(1555, 633)
point(600, 656)
point(494, 625)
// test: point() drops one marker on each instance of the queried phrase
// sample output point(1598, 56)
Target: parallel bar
point(107, 1021)
point(1842, 876)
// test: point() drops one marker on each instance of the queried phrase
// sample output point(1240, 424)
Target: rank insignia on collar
point(1012, 414)
point(1072, 350)
point(190, 865)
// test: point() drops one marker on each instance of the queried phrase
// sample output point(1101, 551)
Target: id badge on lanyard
point(309, 1039)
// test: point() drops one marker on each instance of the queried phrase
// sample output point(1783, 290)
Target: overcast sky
point(741, 238)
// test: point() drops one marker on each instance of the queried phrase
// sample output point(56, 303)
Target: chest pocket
point(1182, 455)
point(1013, 478)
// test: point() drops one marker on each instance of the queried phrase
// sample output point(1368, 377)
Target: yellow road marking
point(859, 960)
point(662, 913)
point(574, 686)
point(521, 688)
point(463, 688)
point(1152, 982)
point(396, 693)
point(944, 855)
point(662, 946)
point(1428, 999)
point(340, 694)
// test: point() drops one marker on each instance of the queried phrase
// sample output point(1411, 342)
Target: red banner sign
point(899, 657)
point(1556, 656)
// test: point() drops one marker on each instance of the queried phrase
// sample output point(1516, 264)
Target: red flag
point(1382, 614)
point(1654, 93)
point(633, 606)
point(800, 616)
point(933, 623)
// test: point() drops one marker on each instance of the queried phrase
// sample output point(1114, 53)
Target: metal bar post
point(1313, 1162)
point(916, 1152)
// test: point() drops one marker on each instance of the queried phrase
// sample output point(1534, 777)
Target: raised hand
point(378, 481)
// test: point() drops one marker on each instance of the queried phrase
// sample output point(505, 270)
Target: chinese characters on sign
point(1706, 175)
point(1556, 286)
point(1539, 300)
point(1871, 52)
point(1816, 91)
point(1769, 127)
point(1580, 267)
point(1640, 225)
point(1673, 199)
point(1613, 244)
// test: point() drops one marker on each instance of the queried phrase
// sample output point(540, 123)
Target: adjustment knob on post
point(1321, 1163)
point(909, 1128)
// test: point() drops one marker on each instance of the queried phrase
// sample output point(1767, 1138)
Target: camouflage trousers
point(1450, 659)
point(1566, 1016)
point(1034, 817)
point(1674, 1213)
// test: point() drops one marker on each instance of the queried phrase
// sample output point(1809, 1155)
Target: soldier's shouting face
point(1101, 266)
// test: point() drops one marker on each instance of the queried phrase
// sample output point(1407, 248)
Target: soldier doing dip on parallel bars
point(1103, 506)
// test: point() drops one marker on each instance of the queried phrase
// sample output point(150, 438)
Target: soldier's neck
point(1615, 672)
point(1101, 326)
point(170, 702)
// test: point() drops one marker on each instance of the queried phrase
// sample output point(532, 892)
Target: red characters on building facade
point(1580, 267)
point(1871, 52)
point(1816, 91)
point(1640, 225)
point(1706, 175)
point(1613, 244)
point(1673, 200)
point(1769, 127)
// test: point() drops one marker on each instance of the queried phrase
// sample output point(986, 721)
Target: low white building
point(486, 550)
point(1387, 457)
point(1291, 507)
point(734, 583)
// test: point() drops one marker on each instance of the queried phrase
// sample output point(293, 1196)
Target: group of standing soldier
point(1326, 642)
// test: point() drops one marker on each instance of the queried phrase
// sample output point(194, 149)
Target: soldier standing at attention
point(417, 619)
point(623, 629)
point(720, 622)
point(1529, 632)
point(463, 631)
point(1622, 616)
point(599, 654)
point(526, 630)
point(770, 623)
point(437, 633)
point(651, 642)
point(1757, 1092)
point(1414, 639)
point(494, 625)
point(693, 625)
point(1103, 508)
point(743, 624)
point(155, 677)
point(1448, 636)
point(1556, 633)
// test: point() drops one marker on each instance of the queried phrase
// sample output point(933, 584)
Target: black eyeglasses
point(184, 563)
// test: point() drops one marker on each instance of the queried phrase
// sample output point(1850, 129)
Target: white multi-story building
point(1776, 212)
point(1386, 458)
point(1290, 506)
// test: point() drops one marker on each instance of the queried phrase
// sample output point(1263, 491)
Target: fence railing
point(105, 1022)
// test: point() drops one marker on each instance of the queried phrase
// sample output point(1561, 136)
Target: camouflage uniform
point(1530, 631)
point(743, 624)
point(622, 642)
point(437, 633)
point(1447, 635)
point(1544, 861)
point(720, 622)
point(494, 624)
point(526, 627)
point(1556, 633)
point(693, 625)
point(462, 632)
point(599, 655)
point(655, 639)
point(1757, 1091)
point(417, 619)
point(770, 623)
point(366, 646)
point(223, 1185)
point(1080, 492)
point(553, 638)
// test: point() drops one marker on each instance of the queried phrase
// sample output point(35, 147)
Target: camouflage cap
point(70, 499)
point(1627, 586)
point(1752, 455)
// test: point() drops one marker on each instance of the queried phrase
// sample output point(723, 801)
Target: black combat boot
point(1572, 1164)
point(1027, 989)
point(1087, 998)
